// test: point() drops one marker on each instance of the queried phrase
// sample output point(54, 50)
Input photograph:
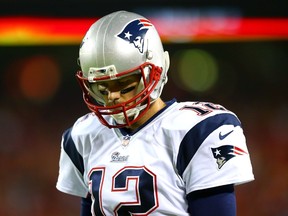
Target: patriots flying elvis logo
point(134, 32)
point(224, 153)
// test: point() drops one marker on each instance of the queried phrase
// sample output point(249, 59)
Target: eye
point(103, 92)
point(126, 90)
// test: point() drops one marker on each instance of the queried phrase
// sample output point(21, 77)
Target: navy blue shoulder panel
point(196, 135)
point(70, 149)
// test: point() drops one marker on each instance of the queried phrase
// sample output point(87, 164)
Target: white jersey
point(186, 147)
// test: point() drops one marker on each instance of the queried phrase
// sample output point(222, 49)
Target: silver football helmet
point(118, 45)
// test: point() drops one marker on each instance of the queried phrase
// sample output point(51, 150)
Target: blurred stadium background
point(234, 54)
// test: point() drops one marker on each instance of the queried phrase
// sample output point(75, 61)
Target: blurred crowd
point(40, 99)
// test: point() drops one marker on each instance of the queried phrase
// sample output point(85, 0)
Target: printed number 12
point(145, 189)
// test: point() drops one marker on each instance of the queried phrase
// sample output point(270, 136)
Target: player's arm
point(213, 201)
point(86, 206)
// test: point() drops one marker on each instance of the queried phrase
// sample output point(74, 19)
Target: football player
point(135, 154)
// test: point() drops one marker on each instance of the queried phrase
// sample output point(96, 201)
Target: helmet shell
point(123, 39)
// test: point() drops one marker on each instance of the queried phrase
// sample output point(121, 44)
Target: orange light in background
point(70, 31)
point(39, 30)
point(215, 29)
point(39, 78)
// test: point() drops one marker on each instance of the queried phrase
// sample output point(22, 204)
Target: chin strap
point(132, 113)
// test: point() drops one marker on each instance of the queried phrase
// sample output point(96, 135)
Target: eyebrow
point(119, 85)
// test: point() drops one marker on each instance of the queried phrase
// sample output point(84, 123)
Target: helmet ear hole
point(149, 54)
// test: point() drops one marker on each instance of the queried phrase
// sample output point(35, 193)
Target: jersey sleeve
point(71, 168)
point(214, 153)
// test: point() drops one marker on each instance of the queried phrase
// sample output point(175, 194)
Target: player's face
point(118, 91)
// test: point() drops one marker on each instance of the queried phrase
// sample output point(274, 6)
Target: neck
point(156, 106)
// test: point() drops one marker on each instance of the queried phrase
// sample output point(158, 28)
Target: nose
point(113, 96)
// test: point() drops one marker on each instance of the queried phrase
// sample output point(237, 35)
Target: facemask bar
point(141, 99)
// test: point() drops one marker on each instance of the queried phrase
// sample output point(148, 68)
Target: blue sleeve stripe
point(196, 135)
point(70, 149)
